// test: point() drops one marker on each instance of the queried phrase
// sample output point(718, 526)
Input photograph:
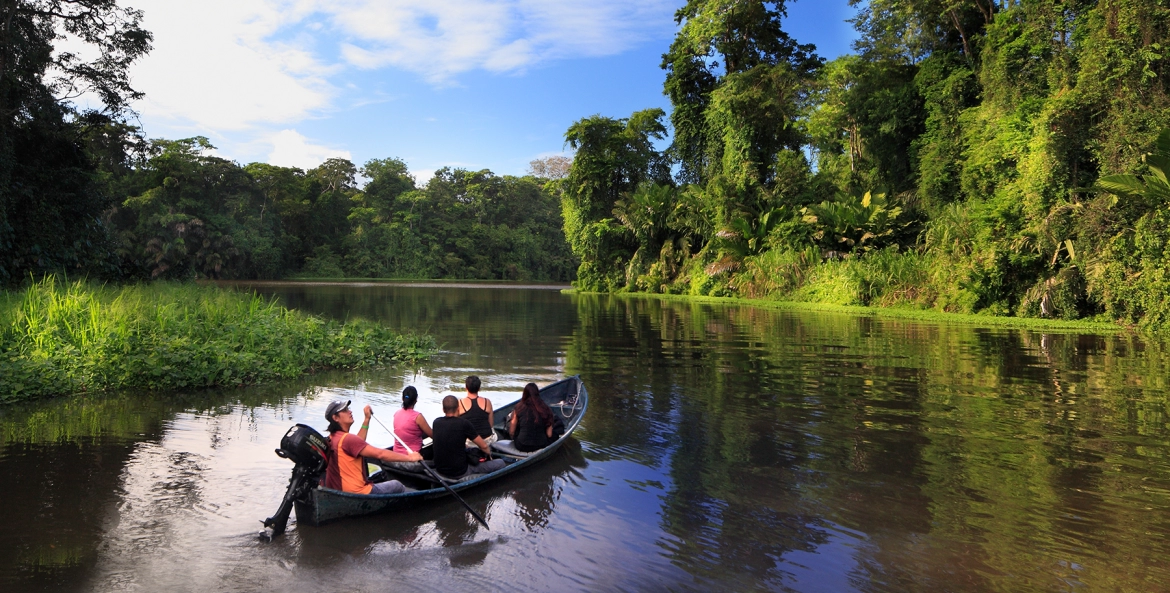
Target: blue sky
point(462, 83)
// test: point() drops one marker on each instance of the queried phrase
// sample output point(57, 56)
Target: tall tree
point(614, 156)
point(50, 209)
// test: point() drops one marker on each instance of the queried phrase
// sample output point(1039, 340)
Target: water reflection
point(725, 448)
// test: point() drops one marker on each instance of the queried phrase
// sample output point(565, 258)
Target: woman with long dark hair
point(531, 425)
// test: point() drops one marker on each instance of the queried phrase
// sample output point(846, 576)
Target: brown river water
point(725, 447)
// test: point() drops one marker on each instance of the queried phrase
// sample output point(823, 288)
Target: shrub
point(58, 338)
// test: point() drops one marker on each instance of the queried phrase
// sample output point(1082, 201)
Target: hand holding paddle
point(434, 475)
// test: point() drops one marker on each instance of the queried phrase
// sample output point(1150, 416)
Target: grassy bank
point(901, 284)
point(58, 338)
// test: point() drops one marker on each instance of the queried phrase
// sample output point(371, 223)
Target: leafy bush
point(58, 338)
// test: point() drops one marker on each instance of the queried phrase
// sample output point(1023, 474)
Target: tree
point(614, 157)
point(728, 59)
point(552, 167)
point(50, 207)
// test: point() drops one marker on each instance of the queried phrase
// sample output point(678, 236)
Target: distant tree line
point(84, 193)
point(997, 156)
point(190, 215)
point(993, 156)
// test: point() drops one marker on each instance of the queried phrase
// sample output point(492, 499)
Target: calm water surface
point(725, 447)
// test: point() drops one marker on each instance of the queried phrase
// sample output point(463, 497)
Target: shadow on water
point(725, 448)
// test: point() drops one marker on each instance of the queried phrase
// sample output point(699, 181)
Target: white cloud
point(441, 38)
point(215, 65)
point(291, 149)
point(252, 70)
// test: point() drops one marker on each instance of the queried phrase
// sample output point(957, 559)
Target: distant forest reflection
point(725, 447)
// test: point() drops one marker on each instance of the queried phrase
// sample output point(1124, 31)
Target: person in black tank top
point(531, 423)
point(478, 410)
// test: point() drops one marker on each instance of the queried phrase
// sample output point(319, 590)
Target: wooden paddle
point(436, 476)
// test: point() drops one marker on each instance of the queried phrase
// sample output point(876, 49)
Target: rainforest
point(979, 156)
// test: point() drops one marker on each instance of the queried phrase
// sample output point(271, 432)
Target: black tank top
point(478, 418)
point(531, 433)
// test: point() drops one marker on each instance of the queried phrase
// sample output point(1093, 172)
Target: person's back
point(477, 410)
point(531, 431)
point(449, 434)
point(532, 420)
point(409, 424)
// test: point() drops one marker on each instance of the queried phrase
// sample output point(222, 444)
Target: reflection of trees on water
point(957, 452)
point(477, 321)
point(69, 457)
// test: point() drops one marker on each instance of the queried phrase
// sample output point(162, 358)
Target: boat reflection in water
point(443, 528)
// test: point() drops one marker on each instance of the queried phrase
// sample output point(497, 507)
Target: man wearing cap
point(346, 469)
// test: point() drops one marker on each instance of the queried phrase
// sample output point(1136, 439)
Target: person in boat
point(346, 468)
point(531, 423)
point(409, 425)
point(478, 411)
point(450, 433)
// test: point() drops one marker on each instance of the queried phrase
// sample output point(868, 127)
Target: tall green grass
point(60, 338)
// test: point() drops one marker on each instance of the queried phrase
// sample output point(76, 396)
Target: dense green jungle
point(979, 156)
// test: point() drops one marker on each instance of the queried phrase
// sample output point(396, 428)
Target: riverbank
point(415, 283)
point(60, 338)
point(891, 313)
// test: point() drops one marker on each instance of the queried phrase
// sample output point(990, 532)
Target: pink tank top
point(408, 430)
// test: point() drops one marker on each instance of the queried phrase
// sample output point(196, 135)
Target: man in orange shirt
point(346, 469)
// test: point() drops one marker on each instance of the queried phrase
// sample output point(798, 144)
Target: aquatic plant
point(59, 338)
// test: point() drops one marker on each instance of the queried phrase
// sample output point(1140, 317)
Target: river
point(726, 447)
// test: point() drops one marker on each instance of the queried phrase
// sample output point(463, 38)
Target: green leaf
point(1123, 185)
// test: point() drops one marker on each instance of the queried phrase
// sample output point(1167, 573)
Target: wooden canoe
point(567, 398)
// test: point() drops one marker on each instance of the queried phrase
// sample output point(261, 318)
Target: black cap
point(334, 407)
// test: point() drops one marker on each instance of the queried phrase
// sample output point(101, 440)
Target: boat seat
point(507, 448)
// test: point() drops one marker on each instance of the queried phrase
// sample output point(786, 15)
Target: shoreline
point(411, 283)
point(1062, 325)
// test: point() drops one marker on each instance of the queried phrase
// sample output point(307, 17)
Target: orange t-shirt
point(346, 470)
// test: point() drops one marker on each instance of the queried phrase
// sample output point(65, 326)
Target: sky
point(470, 84)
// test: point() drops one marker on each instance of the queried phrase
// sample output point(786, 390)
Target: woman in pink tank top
point(410, 426)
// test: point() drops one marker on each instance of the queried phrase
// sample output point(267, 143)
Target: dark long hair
point(530, 403)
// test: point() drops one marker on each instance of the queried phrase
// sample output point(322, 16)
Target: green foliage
point(860, 223)
point(50, 204)
point(614, 157)
point(987, 121)
point(58, 338)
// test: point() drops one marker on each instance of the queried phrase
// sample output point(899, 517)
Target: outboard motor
point(310, 452)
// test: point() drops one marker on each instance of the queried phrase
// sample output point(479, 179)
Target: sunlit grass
point(59, 338)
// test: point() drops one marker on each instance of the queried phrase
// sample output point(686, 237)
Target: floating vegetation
point(59, 338)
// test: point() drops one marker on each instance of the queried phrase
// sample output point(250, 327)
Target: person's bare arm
point(479, 442)
point(387, 455)
point(422, 424)
point(365, 429)
point(512, 425)
point(491, 413)
point(548, 431)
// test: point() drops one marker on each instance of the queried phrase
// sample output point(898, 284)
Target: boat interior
point(560, 396)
